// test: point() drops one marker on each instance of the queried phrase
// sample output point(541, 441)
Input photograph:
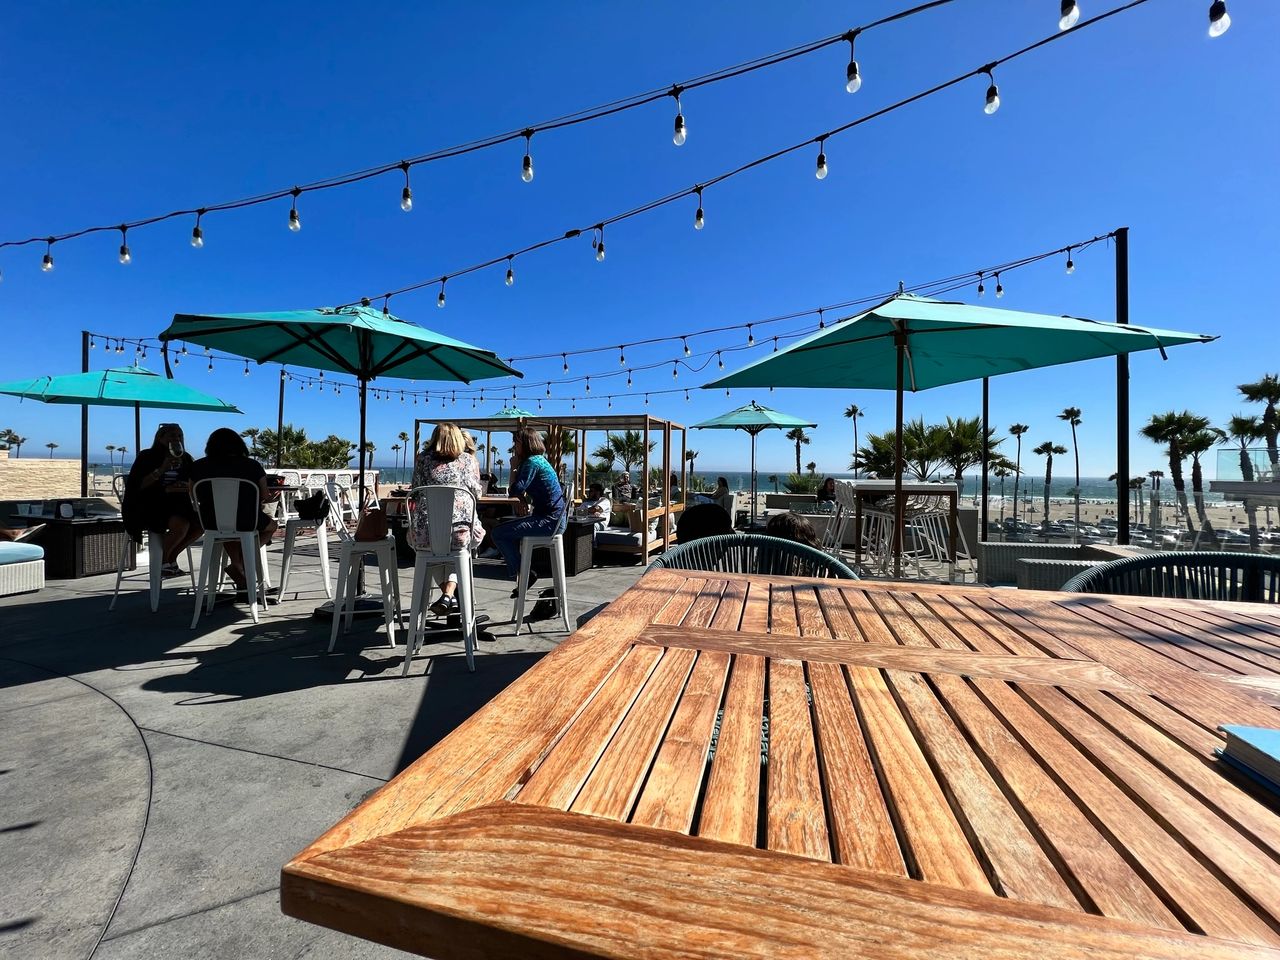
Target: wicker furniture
point(753, 553)
point(1247, 577)
point(21, 568)
point(1036, 574)
point(83, 547)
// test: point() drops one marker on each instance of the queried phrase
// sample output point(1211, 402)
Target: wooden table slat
point(732, 601)
point(871, 625)
point(809, 615)
point(731, 803)
point(796, 820)
point(782, 611)
point(755, 612)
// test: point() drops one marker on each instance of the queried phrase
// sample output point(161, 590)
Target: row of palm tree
point(12, 440)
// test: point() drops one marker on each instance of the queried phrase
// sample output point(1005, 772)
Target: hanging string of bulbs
point(1069, 21)
point(525, 133)
point(691, 360)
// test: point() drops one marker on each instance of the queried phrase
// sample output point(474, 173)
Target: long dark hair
point(225, 442)
point(528, 443)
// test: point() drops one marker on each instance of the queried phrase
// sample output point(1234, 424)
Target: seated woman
point(157, 496)
point(827, 492)
point(597, 507)
point(531, 475)
point(447, 461)
point(225, 455)
point(793, 527)
point(724, 496)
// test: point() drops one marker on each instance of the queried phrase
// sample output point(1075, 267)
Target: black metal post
point(1122, 391)
point(280, 423)
point(137, 430)
point(84, 419)
point(899, 508)
point(986, 453)
point(363, 385)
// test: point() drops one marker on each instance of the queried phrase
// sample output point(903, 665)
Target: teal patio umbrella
point(911, 342)
point(752, 419)
point(356, 340)
point(133, 386)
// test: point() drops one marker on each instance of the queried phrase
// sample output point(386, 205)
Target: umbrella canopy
point(946, 342)
point(133, 386)
point(913, 343)
point(118, 387)
point(752, 418)
point(359, 341)
point(511, 413)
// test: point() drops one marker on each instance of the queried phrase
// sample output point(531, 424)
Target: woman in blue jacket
point(532, 476)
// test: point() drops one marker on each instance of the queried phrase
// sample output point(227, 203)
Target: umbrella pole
point(280, 424)
point(137, 429)
point(363, 389)
point(1122, 391)
point(986, 454)
point(899, 508)
point(84, 419)
point(753, 478)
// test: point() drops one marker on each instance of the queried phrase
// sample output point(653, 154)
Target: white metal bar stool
point(527, 545)
point(351, 556)
point(439, 551)
point(321, 528)
point(155, 556)
point(228, 495)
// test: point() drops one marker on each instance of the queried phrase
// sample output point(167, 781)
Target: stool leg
point(557, 569)
point(191, 570)
point(322, 546)
point(522, 581)
point(249, 549)
point(155, 564)
point(416, 594)
point(466, 608)
point(206, 557)
point(339, 598)
point(354, 566)
point(388, 613)
point(215, 576)
point(286, 558)
point(124, 555)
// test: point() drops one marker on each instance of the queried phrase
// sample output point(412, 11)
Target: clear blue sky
point(118, 110)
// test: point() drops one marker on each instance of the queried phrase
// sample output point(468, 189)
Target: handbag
point(314, 507)
point(372, 526)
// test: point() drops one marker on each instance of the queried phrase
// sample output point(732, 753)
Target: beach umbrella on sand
point(365, 343)
point(133, 386)
point(753, 419)
point(914, 343)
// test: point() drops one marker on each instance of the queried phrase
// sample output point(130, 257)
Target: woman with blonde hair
point(447, 461)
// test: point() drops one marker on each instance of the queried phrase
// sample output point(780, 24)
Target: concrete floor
point(154, 778)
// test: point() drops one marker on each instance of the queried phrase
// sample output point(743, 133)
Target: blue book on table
point(1255, 751)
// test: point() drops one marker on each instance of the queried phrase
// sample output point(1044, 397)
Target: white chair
point(351, 556)
point(439, 502)
point(284, 506)
point(527, 545)
point(153, 543)
point(228, 495)
point(348, 509)
point(321, 528)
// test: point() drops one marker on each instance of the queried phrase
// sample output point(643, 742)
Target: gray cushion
point(20, 552)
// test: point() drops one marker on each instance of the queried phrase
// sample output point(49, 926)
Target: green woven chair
point(1251, 577)
point(753, 553)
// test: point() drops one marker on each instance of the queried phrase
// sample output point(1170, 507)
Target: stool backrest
point(227, 505)
point(439, 501)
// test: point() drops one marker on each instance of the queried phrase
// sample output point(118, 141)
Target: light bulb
point(511, 276)
point(246, 368)
point(981, 289)
point(698, 220)
point(993, 100)
point(600, 251)
point(125, 256)
point(751, 337)
point(720, 360)
point(686, 346)
point(1071, 265)
point(1219, 19)
point(821, 172)
point(564, 357)
point(47, 263)
point(197, 237)
point(853, 78)
point(406, 199)
point(999, 288)
point(295, 224)
point(440, 298)
point(675, 372)
point(1070, 15)
point(681, 132)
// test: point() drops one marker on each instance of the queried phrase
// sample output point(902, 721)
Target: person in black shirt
point(157, 496)
point(225, 455)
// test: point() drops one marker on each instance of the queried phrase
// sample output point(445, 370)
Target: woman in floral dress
point(446, 461)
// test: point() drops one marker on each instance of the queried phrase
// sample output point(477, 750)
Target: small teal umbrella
point(752, 418)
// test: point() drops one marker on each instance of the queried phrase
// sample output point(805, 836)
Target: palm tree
point(1135, 492)
point(1170, 428)
point(500, 462)
point(1016, 431)
point(1072, 416)
point(1267, 390)
point(773, 478)
point(800, 438)
point(1001, 472)
point(122, 451)
point(1244, 430)
point(14, 441)
point(606, 456)
point(629, 448)
point(1047, 450)
point(111, 456)
point(853, 412)
point(404, 442)
point(395, 448)
point(961, 446)
point(811, 466)
point(252, 435)
point(1195, 443)
point(52, 447)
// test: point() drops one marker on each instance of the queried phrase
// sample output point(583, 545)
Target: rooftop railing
point(1255, 466)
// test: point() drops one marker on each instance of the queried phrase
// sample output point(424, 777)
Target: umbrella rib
point(236, 328)
point(316, 342)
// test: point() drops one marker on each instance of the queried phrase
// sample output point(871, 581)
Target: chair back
point(118, 483)
point(439, 500)
point(227, 506)
point(753, 553)
point(1247, 577)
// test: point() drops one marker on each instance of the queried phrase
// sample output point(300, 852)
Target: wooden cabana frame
point(651, 428)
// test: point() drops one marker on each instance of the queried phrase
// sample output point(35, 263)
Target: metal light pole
point(1122, 390)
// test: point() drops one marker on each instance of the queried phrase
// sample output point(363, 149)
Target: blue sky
point(121, 110)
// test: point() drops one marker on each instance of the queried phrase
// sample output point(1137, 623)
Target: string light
point(197, 234)
point(511, 273)
point(852, 77)
point(719, 360)
point(675, 371)
point(210, 363)
point(406, 195)
point(1071, 265)
point(92, 344)
point(981, 288)
point(1070, 15)
point(587, 388)
point(993, 93)
point(751, 337)
point(698, 220)
point(526, 172)
point(1219, 19)
point(295, 223)
point(628, 378)
point(386, 305)
point(246, 368)
point(440, 297)
point(47, 263)
point(685, 343)
point(822, 323)
point(775, 344)
point(564, 357)
point(125, 256)
point(821, 172)
point(686, 396)
point(680, 133)
point(999, 286)
point(598, 242)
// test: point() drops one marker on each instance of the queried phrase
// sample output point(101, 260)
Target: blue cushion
point(19, 552)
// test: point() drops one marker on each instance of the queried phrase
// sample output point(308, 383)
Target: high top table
point(721, 765)
point(864, 490)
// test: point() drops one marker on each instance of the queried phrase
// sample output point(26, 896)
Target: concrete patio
point(154, 778)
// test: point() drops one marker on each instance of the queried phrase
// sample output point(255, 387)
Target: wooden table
point(718, 765)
